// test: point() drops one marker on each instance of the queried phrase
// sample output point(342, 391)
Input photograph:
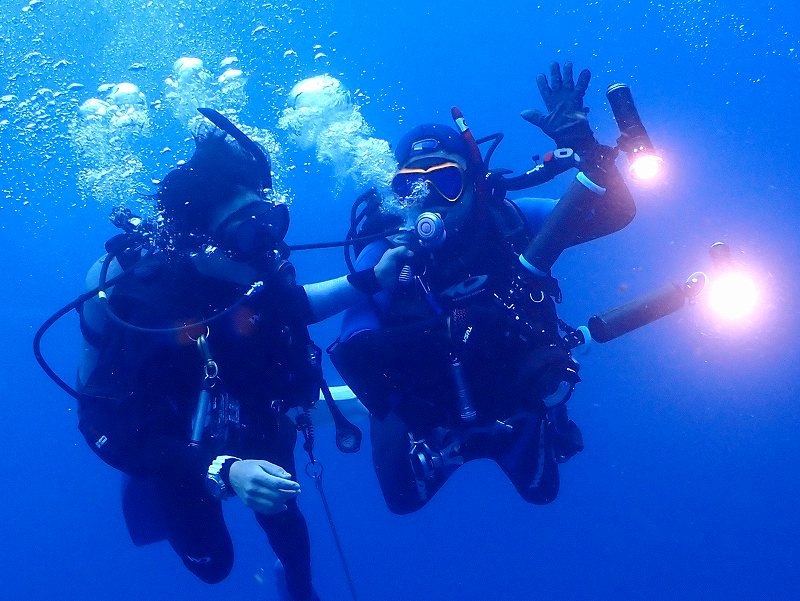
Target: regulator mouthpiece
point(645, 164)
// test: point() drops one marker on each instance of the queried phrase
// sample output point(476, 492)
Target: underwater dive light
point(645, 164)
point(733, 294)
point(618, 321)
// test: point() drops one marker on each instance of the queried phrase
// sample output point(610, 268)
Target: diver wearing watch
point(218, 481)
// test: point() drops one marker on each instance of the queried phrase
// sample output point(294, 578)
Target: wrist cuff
point(583, 179)
point(364, 281)
point(530, 267)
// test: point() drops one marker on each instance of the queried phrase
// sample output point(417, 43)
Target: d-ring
point(189, 336)
point(314, 469)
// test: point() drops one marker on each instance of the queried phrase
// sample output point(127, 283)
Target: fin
point(144, 515)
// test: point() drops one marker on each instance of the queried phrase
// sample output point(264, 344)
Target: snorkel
point(258, 228)
point(494, 184)
point(476, 162)
point(261, 156)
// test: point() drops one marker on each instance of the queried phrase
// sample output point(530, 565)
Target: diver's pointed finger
point(555, 76)
point(583, 81)
point(568, 82)
point(544, 87)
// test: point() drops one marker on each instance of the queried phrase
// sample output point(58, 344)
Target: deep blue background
point(688, 485)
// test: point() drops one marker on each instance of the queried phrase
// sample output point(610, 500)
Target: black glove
point(566, 121)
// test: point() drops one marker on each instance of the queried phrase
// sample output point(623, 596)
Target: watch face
point(215, 487)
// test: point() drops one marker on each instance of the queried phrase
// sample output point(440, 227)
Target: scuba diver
point(466, 357)
point(196, 347)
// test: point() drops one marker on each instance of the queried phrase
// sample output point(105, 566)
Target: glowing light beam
point(646, 167)
point(733, 295)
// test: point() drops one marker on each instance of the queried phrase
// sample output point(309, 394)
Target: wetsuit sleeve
point(366, 314)
point(535, 210)
point(596, 203)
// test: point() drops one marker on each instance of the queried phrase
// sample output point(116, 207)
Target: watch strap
point(221, 467)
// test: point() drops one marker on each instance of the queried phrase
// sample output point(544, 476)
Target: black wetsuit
point(396, 354)
point(143, 393)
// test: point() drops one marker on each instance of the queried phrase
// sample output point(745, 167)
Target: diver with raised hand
point(196, 347)
point(466, 357)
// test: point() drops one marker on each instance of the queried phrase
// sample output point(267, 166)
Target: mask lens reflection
point(447, 179)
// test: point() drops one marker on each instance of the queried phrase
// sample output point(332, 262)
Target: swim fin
point(144, 514)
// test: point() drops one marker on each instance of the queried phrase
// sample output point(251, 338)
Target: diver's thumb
point(532, 116)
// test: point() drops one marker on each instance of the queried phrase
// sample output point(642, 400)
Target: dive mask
point(253, 230)
point(446, 179)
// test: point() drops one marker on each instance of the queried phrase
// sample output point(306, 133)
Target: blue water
point(688, 485)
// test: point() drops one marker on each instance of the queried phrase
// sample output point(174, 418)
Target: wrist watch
point(217, 481)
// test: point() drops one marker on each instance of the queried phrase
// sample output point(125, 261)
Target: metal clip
point(210, 367)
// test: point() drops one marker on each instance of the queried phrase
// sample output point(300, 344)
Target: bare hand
point(263, 486)
point(388, 268)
